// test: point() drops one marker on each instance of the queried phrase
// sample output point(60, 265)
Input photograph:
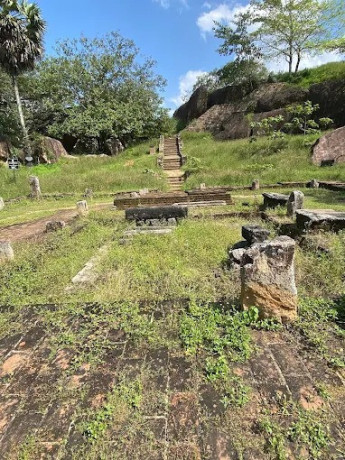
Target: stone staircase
point(172, 161)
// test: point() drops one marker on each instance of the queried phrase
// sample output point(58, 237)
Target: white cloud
point(308, 61)
point(222, 13)
point(207, 5)
point(186, 83)
point(167, 3)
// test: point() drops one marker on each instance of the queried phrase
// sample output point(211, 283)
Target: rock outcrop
point(50, 150)
point(330, 95)
point(4, 151)
point(330, 148)
point(226, 112)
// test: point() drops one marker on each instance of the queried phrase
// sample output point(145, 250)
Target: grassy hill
point(239, 162)
point(307, 77)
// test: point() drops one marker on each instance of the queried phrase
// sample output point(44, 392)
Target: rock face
point(268, 279)
point(330, 95)
point(295, 201)
point(195, 107)
point(4, 151)
point(330, 149)
point(225, 112)
point(50, 150)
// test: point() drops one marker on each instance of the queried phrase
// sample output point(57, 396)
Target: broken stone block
point(55, 225)
point(313, 184)
point(134, 195)
point(6, 251)
point(255, 184)
point(268, 279)
point(82, 208)
point(202, 186)
point(143, 191)
point(35, 187)
point(154, 222)
point(273, 200)
point(2, 204)
point(88, 193)
point(325, 219)
point(255, 234)
point(152, 150)
point(296, 201)
point(172, 221)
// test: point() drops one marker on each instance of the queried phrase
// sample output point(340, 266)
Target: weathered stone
point(82, 208)
point(88, 193)
point(35, 187)
point(255, 234)
point(6, 251)
point(313, 184)
point(2, 204)
point(4, 151)
point(202, 186)
point(330, 148)
point(273, 200)
point(134, 195)
point(148, 231)
point(256, 184)
point(49, 150)
point(143, 191)
point(159, 212)
point(154, 222)
point(55, 225)
point(268, 279)
point(296, 200)
point(328, 220)
point(152, 150)
point(114, 146)
point(172, 221)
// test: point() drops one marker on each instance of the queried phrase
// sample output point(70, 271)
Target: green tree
point(292, 28)
point(237, 40)
point(21, 44)
point(99, 89)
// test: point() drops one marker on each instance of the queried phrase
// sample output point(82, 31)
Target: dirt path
point(35, 228)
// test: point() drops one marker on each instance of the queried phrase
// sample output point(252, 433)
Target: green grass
point(130, 171)
point(240, 162)
point(307, 77)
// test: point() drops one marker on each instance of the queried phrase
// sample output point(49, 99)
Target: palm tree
point(21, 44)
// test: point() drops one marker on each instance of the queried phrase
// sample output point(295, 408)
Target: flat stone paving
point(182, 415)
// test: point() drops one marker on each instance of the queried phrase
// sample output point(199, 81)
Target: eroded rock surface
point(268, 279)
point(325, 219)
point(330, 148)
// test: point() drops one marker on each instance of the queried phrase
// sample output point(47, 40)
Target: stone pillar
point(35, 187)
point(268, 279)
point(6, 251)
point(2, 204)
point(152, 150)
point(202, 186)
point(82, 208)
point(256, 184)
point(295, 201)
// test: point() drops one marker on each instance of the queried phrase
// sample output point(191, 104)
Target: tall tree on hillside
point(292, 28)
point(21, 44)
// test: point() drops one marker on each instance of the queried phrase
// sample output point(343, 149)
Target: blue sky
point(176, 33)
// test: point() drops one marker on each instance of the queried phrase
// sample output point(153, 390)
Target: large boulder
point(268, 279)
point(330, 148)
point(4, 151)
point(49, 150)
point(330, 95)
point(114, 146)
point(227, 115)
point(195, 107)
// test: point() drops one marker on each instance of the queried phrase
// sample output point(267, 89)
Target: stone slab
point(159, 212)
point(273, 200)
point(312, 219)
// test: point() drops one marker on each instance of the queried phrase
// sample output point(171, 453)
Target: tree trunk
point(298, 62)
point(26, 139)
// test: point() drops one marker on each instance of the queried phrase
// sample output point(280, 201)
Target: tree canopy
point(100, 88)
